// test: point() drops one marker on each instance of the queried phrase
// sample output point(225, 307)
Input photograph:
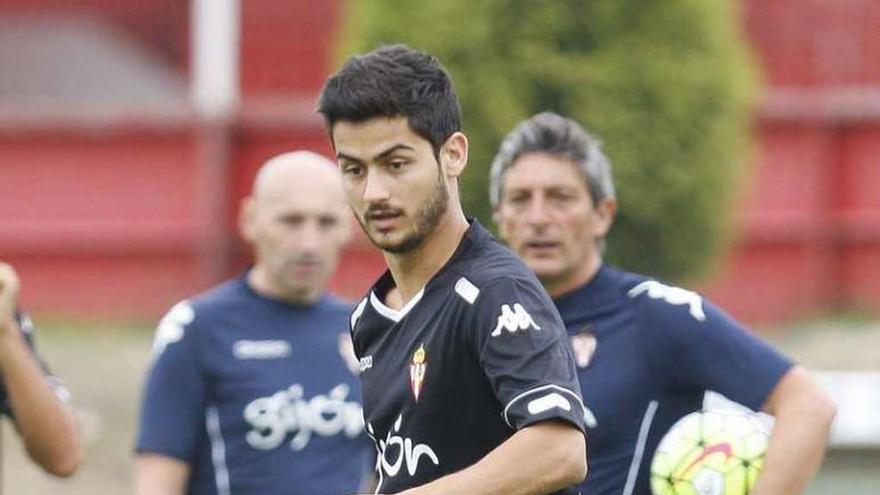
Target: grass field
point(104, 367)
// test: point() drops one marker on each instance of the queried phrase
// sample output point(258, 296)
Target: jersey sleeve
point(706, 349)
point(524, 354)
point(26, 327)
point(172, 414)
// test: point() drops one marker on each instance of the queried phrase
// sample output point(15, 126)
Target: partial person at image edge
point(30, 395)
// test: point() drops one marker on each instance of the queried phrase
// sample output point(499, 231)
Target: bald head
point(296, 172)
point(297, 221)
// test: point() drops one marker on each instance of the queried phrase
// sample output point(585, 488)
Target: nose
point(309, 237)
point(536, 212)
point(376, 188)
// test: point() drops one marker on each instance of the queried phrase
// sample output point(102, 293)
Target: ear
point(347, 223)
point(454, 154)
point(499, 222)
point(605, 211)
point(247, 219)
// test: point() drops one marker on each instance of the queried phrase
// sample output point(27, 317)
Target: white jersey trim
point(639, 451)
point(393, 314)
point(218, 451)
point(358, 311)
point(589, 418)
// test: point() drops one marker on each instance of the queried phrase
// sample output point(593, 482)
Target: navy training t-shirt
point(646, 354)
point(257, 395)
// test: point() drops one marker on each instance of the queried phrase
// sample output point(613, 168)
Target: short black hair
point(394, 81)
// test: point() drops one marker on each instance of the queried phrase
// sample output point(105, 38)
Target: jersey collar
point(473, 234)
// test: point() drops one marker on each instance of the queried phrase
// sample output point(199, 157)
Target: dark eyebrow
point(380, 156)
point(392, 149)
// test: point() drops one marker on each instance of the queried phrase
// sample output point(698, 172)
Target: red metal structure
point(116, 201)
point(809, 221)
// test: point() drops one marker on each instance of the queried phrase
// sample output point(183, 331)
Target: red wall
point(99, 223)
point(809, 220)
point(161, 24)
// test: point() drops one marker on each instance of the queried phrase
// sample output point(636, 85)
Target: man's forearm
point(47, 425)
point(536, 460)
point(797, 445)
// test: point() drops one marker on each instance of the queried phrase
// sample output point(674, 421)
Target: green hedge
point(666, 84)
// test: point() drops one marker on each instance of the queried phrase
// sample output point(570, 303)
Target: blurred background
point(745, 136)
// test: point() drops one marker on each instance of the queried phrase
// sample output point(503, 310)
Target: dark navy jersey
point(478, 354)
point(26, 327)
point(646, 354)
point(256, 395)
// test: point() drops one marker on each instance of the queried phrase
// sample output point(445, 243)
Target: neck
point(562, 285)
point(413, 269)
point(261, 282)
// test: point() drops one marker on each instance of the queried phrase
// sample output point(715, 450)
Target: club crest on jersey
point(417, 369)
point(584, 346)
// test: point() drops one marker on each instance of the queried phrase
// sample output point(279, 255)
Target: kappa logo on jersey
point(417, 370)
point(584, 346)
point(673, 295)
point(261, 349)
point(171, 326)
point(514, 320)
point(287, 412)
point(365, 363)
point(408, 453)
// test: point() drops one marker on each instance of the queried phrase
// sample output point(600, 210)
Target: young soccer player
point(646, 352)
point(468, 382)
point(251, 391)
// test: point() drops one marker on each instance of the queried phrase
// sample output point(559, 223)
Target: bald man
point(253, 387)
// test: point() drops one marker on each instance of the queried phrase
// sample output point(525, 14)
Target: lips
point(306, 265)
point(541, 244)
point(541, 247)
point(383, 220)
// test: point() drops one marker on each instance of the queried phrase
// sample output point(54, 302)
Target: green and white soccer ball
point(710, 453)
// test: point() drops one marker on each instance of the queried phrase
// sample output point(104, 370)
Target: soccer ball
point(710, 453)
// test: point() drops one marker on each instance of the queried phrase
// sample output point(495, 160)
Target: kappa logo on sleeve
point(672, 295)
point(171, 327)
point(514, 320)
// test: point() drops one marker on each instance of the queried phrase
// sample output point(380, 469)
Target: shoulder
point(185, 318)
point(656, 298)
point(491, 266)
point(219, 297)
point(335, 305)
point(669, 309)
point(358, 311)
